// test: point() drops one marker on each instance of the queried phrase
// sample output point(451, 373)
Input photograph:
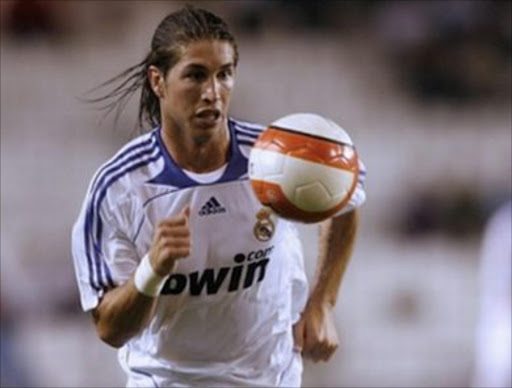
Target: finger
point(316, 353)
point(186, 211)
point(310, 351)
point(176, 242)
point(174, 231)
point(310, 339)
point(298, 336)
point(325, 351)
point(314, 346)
point(179, 220)
point(177, 253)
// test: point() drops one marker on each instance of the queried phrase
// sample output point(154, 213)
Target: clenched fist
point(171, 242)
point(315, 334)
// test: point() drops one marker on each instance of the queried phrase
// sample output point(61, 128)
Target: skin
point(194, 100)
point(315, 333)
point(200, 82)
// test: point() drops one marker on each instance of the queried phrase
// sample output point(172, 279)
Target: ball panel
point(308, 148)
point(304, 179)
point(313, 197)
point(271, 195)
point(265, 165)
point(313, 124)
point(310, 186)
point(304, 171)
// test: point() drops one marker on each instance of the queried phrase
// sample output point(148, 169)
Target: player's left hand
point(315, 334)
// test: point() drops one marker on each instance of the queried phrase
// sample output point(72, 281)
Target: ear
point(156, 79)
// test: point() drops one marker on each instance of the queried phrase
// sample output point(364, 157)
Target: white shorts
point(291, 377)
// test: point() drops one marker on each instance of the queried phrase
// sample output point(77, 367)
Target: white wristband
point(146, 280)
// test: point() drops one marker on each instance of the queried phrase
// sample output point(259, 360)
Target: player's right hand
point(171, 242)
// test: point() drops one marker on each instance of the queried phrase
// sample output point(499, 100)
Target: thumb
point(298, 335)
point(186, 210)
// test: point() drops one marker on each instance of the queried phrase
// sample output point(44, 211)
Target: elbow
point(110, 337)
point(117, 344)
point(107, 330)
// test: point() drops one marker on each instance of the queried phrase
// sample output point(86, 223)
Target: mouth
point(207, 117)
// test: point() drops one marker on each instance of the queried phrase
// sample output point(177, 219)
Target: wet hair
point(175, 31)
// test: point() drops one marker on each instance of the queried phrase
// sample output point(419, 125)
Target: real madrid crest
point(264, 228)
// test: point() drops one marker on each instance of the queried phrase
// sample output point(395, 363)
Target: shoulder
point(500, 221)
point(131, 164)
point(245, 134)
point(136, 149)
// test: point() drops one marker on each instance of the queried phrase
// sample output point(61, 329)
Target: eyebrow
point(197, 66)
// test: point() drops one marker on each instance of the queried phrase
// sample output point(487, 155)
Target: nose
point(211, 90)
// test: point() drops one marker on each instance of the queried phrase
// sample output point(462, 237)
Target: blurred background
point(424, 89)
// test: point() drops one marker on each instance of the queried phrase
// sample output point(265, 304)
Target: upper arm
point(103, 255)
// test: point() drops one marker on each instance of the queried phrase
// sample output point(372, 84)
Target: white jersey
point(225, 316)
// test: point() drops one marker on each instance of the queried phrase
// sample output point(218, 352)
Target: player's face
point(198, 90)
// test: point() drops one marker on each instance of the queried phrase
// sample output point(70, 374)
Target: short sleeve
point(103, 255)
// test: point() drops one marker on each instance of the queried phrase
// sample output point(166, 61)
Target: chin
point(201, 140)
point(203, 134)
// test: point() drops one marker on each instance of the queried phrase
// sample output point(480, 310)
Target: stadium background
point(422, 87)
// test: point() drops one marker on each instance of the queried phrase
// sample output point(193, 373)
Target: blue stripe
point(257, 128)
point(244, 142)
point(145, 374)
point(158, 196)
point(108, 275)
point(139, 228)
point(90, 219)
point(239, 134)
point(90, 216)
point(138, 371)
point(99, 227)
point(249, 139)
point(240, 131)
point(119, 157)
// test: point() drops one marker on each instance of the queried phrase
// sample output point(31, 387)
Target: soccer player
point(182, 268)
point(493, 350)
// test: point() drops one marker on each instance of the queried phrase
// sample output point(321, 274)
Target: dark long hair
point(176, 30)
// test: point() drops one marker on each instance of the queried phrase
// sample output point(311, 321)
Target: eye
point(225, 74)
point(196, 75)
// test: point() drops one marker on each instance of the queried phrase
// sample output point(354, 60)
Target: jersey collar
point(173, 175)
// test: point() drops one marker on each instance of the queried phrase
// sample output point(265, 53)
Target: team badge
point(264, 227)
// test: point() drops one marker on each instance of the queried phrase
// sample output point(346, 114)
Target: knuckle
point(160, 232)
point(167, 253)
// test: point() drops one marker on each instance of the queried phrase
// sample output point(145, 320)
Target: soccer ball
point(304, 167)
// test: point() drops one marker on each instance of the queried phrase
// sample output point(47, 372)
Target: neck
point(197, 155)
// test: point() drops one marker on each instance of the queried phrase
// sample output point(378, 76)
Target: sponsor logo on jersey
point(249, 269)
point(264, 228)
point(212, 206)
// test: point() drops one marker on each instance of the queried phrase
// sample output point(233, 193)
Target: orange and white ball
point(304, 167)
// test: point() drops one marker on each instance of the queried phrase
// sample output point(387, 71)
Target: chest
point(227, 224)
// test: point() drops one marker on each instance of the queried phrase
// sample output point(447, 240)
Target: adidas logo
point(212, 206)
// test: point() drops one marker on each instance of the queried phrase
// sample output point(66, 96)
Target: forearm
point(122, 313)
point(337, 238)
